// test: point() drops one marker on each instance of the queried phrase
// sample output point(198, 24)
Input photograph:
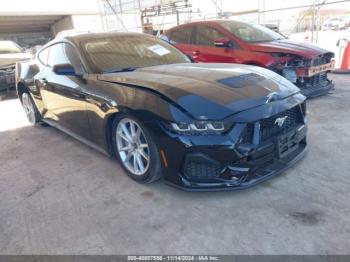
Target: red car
point(227, 41)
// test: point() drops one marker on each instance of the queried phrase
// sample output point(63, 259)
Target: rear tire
point(135, 148)
point(30, 109)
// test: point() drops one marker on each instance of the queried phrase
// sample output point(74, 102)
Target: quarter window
point(182, 35)
point(57, 55)
point(43, 55)
point(206, 35)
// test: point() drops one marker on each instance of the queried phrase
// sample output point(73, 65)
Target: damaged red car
point(228, 41)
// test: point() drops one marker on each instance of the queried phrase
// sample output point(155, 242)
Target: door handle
point(80, 95)
point(43, 81)
point(197, 52)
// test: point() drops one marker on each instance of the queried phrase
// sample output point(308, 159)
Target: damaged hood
point(211, 91)
point(290, 47)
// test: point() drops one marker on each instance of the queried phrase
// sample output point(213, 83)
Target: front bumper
point(262, 163)
point(316, 88)
point(312, 81)
point(234, 160)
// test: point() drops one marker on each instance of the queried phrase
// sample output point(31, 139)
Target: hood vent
point(242, 80)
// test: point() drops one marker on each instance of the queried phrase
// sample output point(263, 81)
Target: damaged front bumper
point(315, 86)
point(309, 75)
point(260, 164)
point(251, 152)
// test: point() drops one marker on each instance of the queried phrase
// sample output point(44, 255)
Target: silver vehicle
point(10, 54)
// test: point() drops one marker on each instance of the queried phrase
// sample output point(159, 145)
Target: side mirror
point(223, 42)
point(64, 69)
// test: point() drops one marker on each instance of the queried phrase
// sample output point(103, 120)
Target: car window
point(182, 35)
point(206, 35)
point(250, 32)
point(64, 53)
point(57, 55)
point(111, 54)
point(43, 55)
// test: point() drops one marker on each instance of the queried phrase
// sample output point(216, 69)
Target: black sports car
point(199, 126)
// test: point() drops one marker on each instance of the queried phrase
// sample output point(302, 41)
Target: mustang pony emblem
point(280, 121)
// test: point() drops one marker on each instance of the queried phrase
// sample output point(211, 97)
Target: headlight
point(304, 108)
point(199, 127)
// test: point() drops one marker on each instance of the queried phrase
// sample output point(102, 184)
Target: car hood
point(290, 47)
point(209, 91)
point(11, 59)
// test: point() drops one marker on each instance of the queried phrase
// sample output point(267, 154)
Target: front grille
point(316, 85)
point(321, 60)
point(248, 133)
point(269, 128)
point(318, 79)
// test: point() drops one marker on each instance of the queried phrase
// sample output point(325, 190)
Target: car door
point(64, 95)
point(204, 49)
point(181, 38)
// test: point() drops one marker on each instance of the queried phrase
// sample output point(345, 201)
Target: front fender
point(105, 100)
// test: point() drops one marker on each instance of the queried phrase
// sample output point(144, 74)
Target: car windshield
point(9, 47)
point(250, 32)
point(127, 52)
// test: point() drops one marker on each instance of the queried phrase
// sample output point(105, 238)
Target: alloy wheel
point(132, 146)
point(28, 108)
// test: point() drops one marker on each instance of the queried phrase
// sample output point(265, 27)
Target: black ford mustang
point(199, 126)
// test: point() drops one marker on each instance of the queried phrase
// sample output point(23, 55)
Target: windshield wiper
point(119, 70)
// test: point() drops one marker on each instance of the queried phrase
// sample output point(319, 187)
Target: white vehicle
point(10, 54)
point(336, 23)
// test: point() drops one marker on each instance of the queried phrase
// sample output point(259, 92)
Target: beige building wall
point(78, 23)
point(64, 24)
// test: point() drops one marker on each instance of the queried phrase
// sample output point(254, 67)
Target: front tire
point(30, 109)
point(136, 149)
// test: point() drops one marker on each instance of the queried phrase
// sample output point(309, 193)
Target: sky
point(31, 7)
point(243, 5)
point(206, 6)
